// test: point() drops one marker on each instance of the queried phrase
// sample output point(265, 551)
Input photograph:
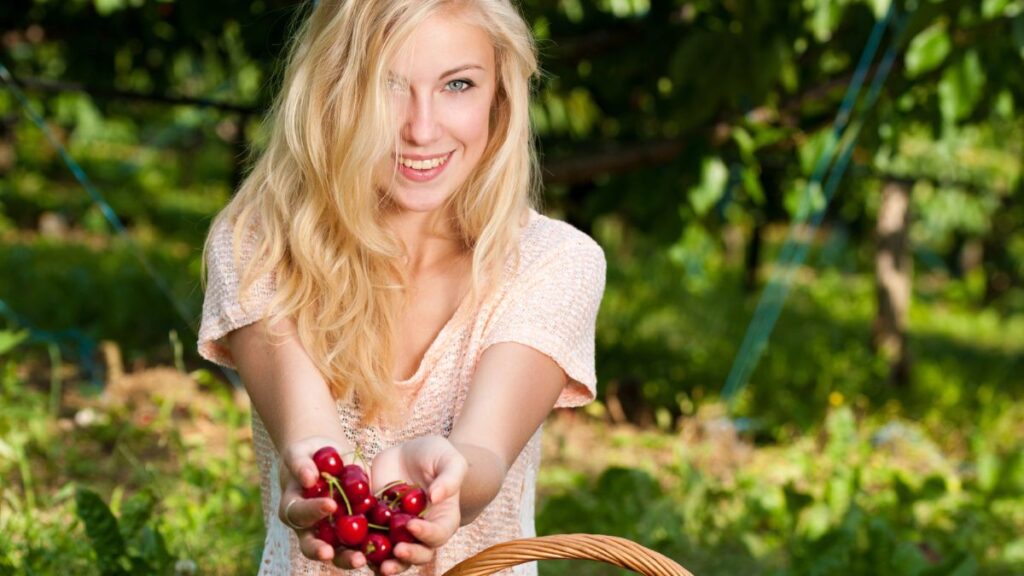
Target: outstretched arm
point(293, 400)
point(513, 391)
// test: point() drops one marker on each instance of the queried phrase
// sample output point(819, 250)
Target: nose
point(421, 124)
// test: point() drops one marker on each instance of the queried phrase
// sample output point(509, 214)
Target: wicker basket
point(613, 550)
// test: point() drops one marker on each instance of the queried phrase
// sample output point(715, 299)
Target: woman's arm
point(512, 392)
point(289, 393)
point(293, 400)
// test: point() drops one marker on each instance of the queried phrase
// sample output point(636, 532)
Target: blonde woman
point(382, 281)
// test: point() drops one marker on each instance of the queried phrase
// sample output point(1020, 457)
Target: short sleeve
point(223, 309)
point(553, 309)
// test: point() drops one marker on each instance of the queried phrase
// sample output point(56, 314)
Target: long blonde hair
point(311, 195)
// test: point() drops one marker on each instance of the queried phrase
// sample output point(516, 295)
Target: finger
point(432, 534)
point(349, 559)
point(304, 513)
point(453, 471)
point(391, 567)
point(302, 468)
point(313, 548)
point(409, 553)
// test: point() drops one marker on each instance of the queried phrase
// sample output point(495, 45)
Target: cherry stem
point(333, 483)
point(377, 526)
point(384, 489)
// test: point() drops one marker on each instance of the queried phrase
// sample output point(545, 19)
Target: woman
point(382, 282)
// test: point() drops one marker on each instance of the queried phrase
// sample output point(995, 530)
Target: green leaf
point(9, 340)
point(988, 471)
point(752, 183)
point(993, 8)
point(928, 50)
point(135, 512)
point(961, 88)
point(880, 7)
point(796, 500)
point(153, 551)
point(904, 492)
point(103, 532)
point(714, 176)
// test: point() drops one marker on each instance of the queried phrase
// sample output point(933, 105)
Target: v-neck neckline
point(436, 343)
point(452, 325)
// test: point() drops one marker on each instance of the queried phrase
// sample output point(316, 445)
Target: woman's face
point(442, 85)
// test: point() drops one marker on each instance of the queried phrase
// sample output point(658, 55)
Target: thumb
point(451, 468)
point(302, 469)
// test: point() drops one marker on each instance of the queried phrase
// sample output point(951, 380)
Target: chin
point(422, 201)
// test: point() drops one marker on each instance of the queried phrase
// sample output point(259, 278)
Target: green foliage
point(928, 49)
point(170, 495)
point(46, 271)
point(865, 499)
point(717, 114)
point(9, 340)
point(130, 546)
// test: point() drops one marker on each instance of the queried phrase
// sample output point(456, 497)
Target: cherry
point(377, 548)
point(380, 514)
point(393, 492)
point(318, 490)
point(354, 482)
point(328, 460)
point(398, 528)
point(361, 521)
point(351, 529)
point(414, 501)
point(363, 505)
point(324, 531)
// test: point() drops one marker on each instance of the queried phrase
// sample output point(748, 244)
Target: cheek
point(472, 125)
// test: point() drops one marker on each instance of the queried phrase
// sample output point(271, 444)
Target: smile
point(423, 164)
point(423, 168)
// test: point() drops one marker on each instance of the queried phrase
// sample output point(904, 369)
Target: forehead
point(443, 42)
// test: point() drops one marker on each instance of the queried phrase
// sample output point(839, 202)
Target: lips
point(421, 168)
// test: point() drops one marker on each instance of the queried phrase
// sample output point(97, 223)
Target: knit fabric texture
point(547, 300)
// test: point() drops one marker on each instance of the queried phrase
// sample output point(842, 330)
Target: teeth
point(423, 164)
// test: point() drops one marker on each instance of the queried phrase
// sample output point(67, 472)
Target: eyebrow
point(455, 70)
point(462, 68)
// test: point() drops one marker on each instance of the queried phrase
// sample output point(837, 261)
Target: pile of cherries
point(363, 521)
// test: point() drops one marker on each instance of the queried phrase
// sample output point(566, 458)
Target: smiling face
point(442, 85)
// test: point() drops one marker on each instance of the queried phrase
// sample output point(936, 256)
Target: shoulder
point(546, 239)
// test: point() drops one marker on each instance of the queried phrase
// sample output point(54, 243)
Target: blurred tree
point(690, 121)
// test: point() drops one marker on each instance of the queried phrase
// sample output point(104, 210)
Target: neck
point(428, 237)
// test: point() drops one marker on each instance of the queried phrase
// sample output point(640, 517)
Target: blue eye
point(460, 85)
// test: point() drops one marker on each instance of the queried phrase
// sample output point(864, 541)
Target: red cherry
point(393, 493)
point(324, 531)
point(328, 460)
point(380, 514)
point(414, 501)
point(354, 482)
point(398, 528)
point(351, 530)
point(377, 548)
point(364, 505)
point(318, 490)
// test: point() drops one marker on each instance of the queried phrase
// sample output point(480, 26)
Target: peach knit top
point(548, 301)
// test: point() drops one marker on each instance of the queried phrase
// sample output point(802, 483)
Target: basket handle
point(609, 549)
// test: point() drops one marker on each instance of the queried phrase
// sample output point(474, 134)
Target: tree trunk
point(893, 265)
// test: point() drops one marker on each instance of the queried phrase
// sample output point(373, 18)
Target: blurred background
point(811, 347)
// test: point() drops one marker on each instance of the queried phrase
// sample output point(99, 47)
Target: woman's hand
point(433, 463)
point(297, 472)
